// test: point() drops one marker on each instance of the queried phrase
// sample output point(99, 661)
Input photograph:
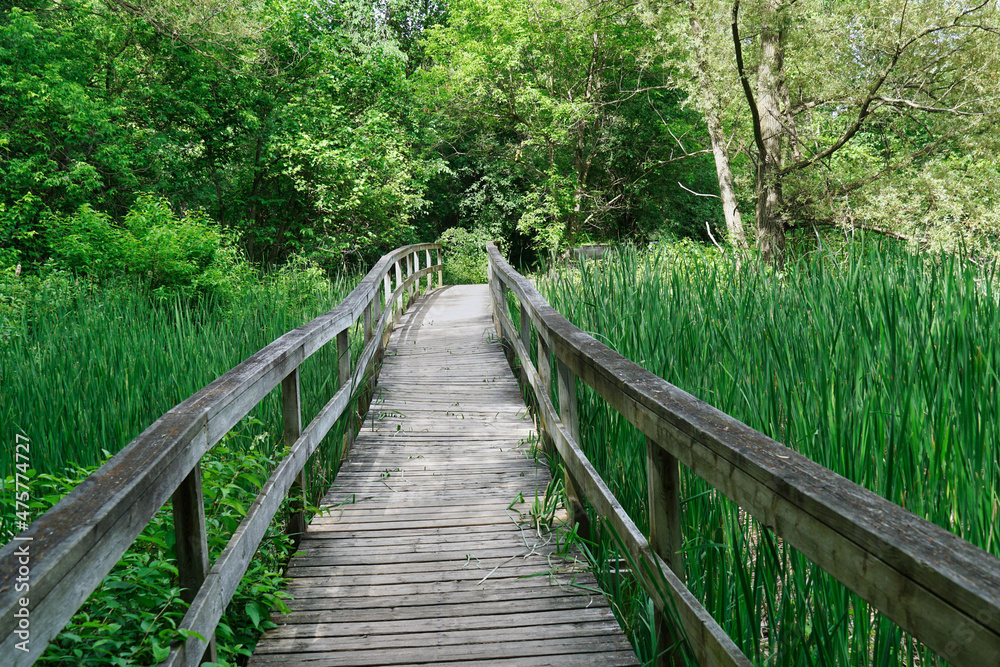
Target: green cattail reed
point(881, 365)
point(86, 375)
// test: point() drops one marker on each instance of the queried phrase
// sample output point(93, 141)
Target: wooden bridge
point(433, 553)
point(432, 550)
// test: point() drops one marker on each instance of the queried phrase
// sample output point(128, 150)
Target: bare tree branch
point(758, 138)
point(698, 194)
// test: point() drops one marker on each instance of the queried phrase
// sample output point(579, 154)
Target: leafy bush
point(298, 282)
point(134, 614)
point(20, 237)
point(174, 255)
point(464, 255)
point(88, 243)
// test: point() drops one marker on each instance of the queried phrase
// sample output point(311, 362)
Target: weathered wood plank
point(435, 640)
point(388, 560)
point(549, 603)
point(434, 624)
point(533, 651)
point(386, 603)
point(512, 567)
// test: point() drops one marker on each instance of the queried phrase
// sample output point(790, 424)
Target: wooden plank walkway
point(425, 560)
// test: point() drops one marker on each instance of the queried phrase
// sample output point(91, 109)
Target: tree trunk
point(724, 172)
point(769, 216)
point(582, 157)
point(727, 188)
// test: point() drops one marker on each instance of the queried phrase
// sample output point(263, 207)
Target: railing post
point(383, 334)
point(501, 307)
point(365, 394)
point(430, 276)
point(525, 327)
point(545, 373)
point(663, 484)
point(377, 304)
point(343, 379)
point(416, 269)
point(525, 331)
point(291, 413)
point(409, 272)
point(399, 301)
point(544, 366)
point(492, 284)
point(491, 280)
point(367, 322)
point(570, 416)
point(441, 270)
point(191, 542)
point(664, 502)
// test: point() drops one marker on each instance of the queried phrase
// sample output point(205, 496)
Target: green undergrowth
point(87, 366)
point(135, 613)
point(881, 365)
point(466, 255)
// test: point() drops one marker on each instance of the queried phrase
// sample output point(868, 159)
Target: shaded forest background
point(170, 139)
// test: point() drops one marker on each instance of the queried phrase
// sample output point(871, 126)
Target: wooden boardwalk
point(426, 557)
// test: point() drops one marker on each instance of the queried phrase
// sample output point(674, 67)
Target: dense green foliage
point(281, 121)
point(466, 253)
point(340, 131)
point(558, 123)
point(880, 365)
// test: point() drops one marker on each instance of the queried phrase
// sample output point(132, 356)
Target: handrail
point(933, 584)
point(70, 548)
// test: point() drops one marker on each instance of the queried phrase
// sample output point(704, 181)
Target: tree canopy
point(339, 130)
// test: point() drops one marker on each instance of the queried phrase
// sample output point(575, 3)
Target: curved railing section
point(936, 586)
point(76, 543)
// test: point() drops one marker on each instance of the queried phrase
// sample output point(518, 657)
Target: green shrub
point(173, 255)
point(21, 239)
point(464, 255)
point(87, 243)
point(298, 281)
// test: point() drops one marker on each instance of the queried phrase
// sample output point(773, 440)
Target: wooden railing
point(936, 586)
point(63, 555)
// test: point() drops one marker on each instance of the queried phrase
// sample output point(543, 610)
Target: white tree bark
point(720, 151)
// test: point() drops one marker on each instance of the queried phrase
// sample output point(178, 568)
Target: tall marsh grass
point(85, 370)
point(878, 364)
